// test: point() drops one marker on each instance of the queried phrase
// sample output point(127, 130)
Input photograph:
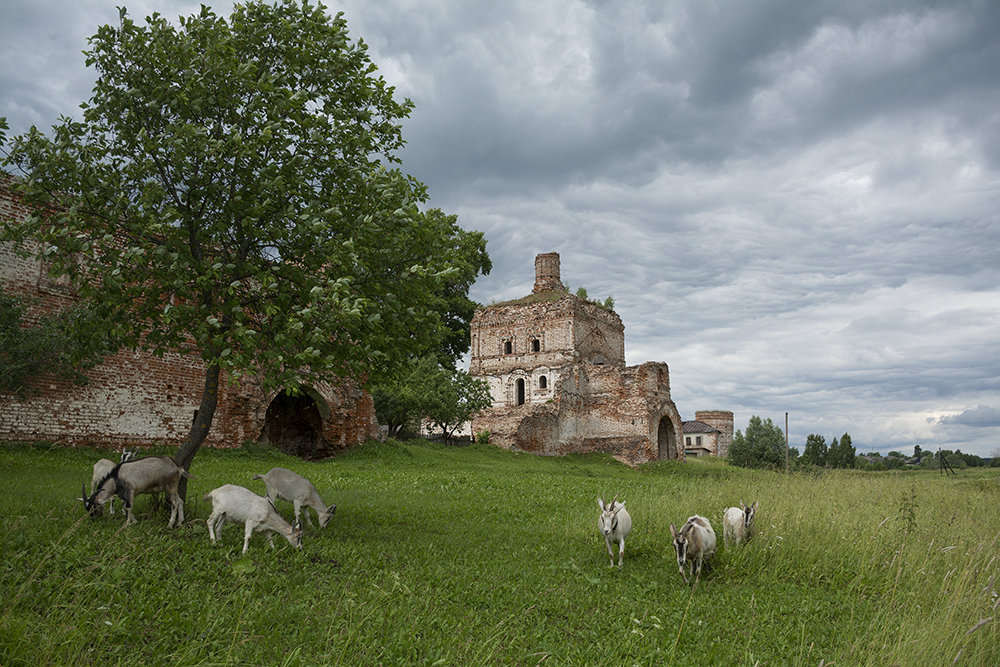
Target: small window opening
point(520, 392)
point(508, 347)
point(543, 382)
point(536, 345)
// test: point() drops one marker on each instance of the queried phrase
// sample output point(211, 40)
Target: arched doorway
point(519, 388)
point(666, 440)
point(293, 423)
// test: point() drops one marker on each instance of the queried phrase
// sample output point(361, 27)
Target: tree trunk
point(202, 423)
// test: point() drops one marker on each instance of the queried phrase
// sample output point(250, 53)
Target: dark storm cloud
point(792, 203)
point(981, 416)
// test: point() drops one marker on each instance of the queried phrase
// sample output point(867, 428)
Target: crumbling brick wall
point(623, 412)
point(723, 421)
point(590, 401)
point(135, 397)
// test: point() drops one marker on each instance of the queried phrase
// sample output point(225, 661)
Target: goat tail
point(207, 497)
point(257, 477)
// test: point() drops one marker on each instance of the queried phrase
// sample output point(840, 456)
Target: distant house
point(709, 434)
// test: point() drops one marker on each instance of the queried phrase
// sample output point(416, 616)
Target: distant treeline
point(763, 446)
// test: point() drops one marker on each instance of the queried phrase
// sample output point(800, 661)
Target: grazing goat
point(129, 479)
point(296, 489)
point(737, 523)
point(240, 505)
point(101, 470)
point(694, 542)
point(614, 524)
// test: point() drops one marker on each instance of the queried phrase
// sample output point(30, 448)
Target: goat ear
point(755, 503)
point(600, 504)
point(673, 531)
point(332, 508)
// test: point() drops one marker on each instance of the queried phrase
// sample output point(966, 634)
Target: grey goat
point(150, 474)
point(294, 488)
point(101, 470)
point(694, 542)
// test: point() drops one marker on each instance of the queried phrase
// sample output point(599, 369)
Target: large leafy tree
point(233, 188)
point(815, 451)
point(763, 445)
point(454, 398)
point(842, 453)
point(444, 396)
point(400, 400)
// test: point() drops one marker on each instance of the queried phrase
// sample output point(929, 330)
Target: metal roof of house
point(695, 426)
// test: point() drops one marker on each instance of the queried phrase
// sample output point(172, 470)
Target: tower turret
point(547, 273)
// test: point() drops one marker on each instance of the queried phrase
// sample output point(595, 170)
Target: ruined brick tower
point(723, 421)
point(556, 369)
point(547, 273)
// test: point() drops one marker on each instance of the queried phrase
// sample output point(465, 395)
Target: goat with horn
point(614, 524)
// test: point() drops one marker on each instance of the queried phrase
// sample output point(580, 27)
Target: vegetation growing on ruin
point(477, 555)
point(547, 296)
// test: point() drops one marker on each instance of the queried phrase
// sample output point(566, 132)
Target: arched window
point(508, 347)
point(536, 345)
point(519, 387)
point(543, 382)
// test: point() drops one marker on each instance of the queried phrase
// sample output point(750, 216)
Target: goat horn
point(87, 505)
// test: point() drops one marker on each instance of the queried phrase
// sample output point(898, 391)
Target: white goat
point(129, 479)
point(101, 470)
point(240, 505)
point(614, 524)
point(694, 543)
point(296, 489)
point(737, 524)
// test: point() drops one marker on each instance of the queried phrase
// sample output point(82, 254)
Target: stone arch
point(666, 439)
point(293, 422)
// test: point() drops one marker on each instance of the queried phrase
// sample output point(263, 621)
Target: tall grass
point(480, 556)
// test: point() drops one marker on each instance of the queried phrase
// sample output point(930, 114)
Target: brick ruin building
point(137, 398)
point(555, 365)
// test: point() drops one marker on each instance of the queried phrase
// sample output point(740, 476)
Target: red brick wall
point(137, 398)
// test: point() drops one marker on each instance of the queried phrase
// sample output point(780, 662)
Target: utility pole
point(786, 442)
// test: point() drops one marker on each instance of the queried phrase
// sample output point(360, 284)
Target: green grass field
point(467, 556)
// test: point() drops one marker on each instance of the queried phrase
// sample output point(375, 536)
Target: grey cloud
point(792, 203)
point(982, 416)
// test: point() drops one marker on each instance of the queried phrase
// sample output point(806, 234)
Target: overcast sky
point(796, 205)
